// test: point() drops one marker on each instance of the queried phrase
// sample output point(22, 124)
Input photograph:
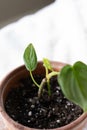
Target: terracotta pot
point(12, 78)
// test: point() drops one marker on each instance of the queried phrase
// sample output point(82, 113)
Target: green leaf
point(47, 64)
point(30, 57)
point(73, 82)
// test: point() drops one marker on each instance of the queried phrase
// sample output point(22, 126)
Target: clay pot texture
point(12, 78)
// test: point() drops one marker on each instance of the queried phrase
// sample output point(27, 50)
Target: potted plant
point(44, 95)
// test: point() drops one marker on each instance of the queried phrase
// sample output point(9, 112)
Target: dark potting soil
point(23, 105)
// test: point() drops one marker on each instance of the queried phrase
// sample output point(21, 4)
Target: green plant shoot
point(30, 60)
point(48, 67)
point(72, 79)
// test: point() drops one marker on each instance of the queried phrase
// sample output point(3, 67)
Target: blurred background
point(57, 28)
point(11, 10)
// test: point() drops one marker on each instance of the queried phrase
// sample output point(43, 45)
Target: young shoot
point(30, 60)
point(72, 79)
point(48, 67)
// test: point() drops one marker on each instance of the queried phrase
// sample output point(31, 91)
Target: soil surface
point(23, 105)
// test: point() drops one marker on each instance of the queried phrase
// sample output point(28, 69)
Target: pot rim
point(8, 119)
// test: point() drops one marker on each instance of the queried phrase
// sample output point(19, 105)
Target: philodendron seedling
point(72, 79)
point(30, 59)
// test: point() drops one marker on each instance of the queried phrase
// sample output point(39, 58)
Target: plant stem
point(41, 87)
point(49, 89)
point(34, 80)
point(53, 73)
point(46, 71)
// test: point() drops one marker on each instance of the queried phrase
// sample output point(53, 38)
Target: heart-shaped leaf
point(30, 57)
point(73, 82)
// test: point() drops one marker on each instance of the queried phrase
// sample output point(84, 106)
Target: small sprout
point(47, 65)
point(30, 60)
point(72, 79)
